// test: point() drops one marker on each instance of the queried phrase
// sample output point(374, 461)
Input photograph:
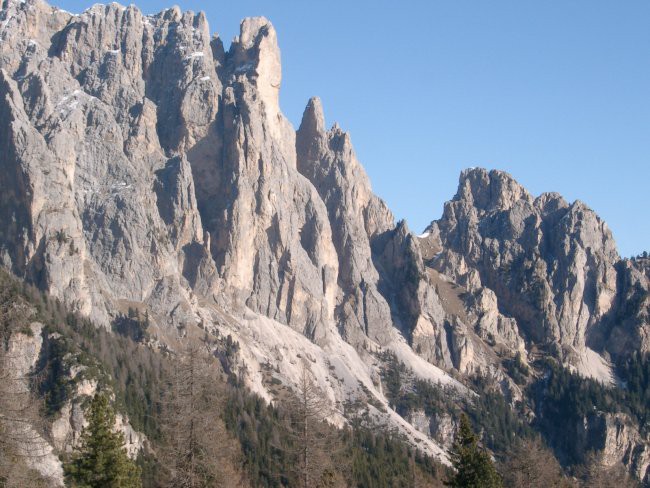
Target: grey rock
point(617, 439)
point(356, 216)
point(628, 330)
point(551, 265)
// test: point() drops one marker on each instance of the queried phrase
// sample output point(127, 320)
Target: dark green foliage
point(562, 400)
point(263, 434)
point(61, 237)
point(367, 458)
point(517, 369)
point(138, 375)
point(491, 414)
point(133, 371)
point(101, 461)
point(634, 372)
point(381, 460)
point(474, 468)
point(489, 411)
point(407, 393)
point(134, 325)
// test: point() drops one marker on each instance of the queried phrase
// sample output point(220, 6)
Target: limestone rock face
point(550, 264)
point(381, 272)
point(492, 326)
point(630, 322)
point(270, 235)
point(22, 354)
point(143, 166)
point(85, 152)
point(147, 167)
point(617, 439)
point(356, 216)
point(407, 284)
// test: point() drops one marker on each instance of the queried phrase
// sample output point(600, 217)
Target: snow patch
point(205, 78)
point(244, 68)
point(57, 9)
point(424, 235)
point(195, 54)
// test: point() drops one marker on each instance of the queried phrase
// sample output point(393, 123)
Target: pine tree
point(473, 466)
point(102, 461)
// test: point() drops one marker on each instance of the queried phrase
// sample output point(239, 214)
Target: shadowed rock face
point(629, 327)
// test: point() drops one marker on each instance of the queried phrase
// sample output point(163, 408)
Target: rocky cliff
point(148, 168)
point(145, 167)
point(549, 266)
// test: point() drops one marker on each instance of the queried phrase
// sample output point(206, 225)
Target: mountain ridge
point(148, 168)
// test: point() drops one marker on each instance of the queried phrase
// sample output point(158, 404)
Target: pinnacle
point(313, 119)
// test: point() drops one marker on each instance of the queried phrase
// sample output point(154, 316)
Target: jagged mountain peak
point(313, 118)
point(490, 190)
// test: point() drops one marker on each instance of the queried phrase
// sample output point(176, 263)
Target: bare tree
point(532, 465)
point(198, 452)
point(595, 474)
point(314, 440)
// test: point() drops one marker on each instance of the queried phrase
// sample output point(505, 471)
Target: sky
point(555, 92)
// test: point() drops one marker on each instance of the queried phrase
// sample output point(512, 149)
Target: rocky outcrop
point(149, 166)
point(28, 442)
point(356, 216)
point(617, 439)
point(84, 142)
point(271, 239)
point(550, 264)
point(43, 439)
point(69, 421)
point(629, 326)
point(150, 169)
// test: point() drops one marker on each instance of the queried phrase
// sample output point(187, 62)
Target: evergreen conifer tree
point(102, 461)
point(473, 466)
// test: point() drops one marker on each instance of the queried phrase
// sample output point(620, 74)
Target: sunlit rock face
point(143, 166)
point(147, 165)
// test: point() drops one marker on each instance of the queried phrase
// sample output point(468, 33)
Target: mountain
point(147, 169)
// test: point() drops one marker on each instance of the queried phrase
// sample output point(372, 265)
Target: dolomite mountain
point(143, 166)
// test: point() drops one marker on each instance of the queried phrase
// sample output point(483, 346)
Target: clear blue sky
point(555, 92)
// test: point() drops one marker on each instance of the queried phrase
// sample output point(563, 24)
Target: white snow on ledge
point(425, 235)
point(244, 68)
point(195, 54)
